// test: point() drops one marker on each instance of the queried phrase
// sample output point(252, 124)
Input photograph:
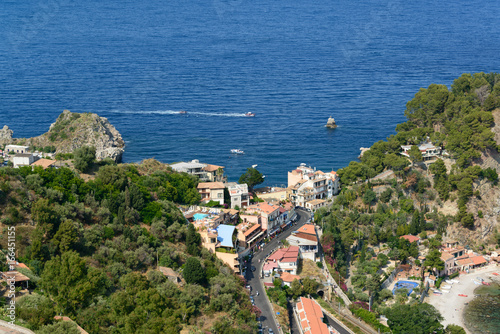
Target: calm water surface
point(293, 63)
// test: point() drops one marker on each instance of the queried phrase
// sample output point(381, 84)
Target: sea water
point(292, 63)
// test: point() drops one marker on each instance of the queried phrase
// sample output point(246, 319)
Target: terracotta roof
point(308, 229)
point(45, 163)
point(289, 254)
point(478, 260)
point(464, 262)
point(18, 277)
point(251, 230)
point(287, 277)
point(410, 238)
point(212, 168)
point(446, 256)
point(210, 185)
point(311, 317)
point(282, 210)
point(306, 236)
point(264, 207)
point(288, 206)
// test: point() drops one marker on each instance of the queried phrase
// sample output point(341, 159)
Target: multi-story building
point(310, 318)
point(239, 194)
point(306, 239)
point(16, 149)
point(306, 184)
point(249, 235)
point(219, 241)
point(269, 194)
point(287, 259)
point(211, 191)
point(429, 151)
point(205, 172)
point(269, 215)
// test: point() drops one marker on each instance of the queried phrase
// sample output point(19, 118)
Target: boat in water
point(249, 114)
point(183, 112)
point(237, 151)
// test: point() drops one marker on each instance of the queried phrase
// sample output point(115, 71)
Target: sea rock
point(6, 134)
point(331, 123)
point(73, 130)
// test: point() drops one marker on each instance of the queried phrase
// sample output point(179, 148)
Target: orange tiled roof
point(210, 185)
point(312, 317)
point(465, 261)
point(212, 168)
point(478, 260)
point(446, 256)
point(308, 229)
point(410, 238)
point(251, 230)
point(45, 163)
point(287, 277)
point(306, 236)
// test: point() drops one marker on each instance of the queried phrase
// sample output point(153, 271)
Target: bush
point(319, 264)
point(454, 275)
point(370, 319)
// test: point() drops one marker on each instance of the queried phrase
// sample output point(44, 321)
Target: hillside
point(74, 130)
point(94, 250)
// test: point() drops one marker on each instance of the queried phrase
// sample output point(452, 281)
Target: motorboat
point(249, 114)
point(237, 151)
point(183, 112)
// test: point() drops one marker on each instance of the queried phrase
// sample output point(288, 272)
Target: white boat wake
point(178, 112)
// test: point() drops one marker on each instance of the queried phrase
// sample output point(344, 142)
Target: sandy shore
point(451, 305)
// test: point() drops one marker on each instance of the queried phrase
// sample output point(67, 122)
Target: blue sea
point(292, 63)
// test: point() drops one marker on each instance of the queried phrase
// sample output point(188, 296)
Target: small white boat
point(449, 282)
point(447, 287)
point(455, 281)
point(237, 151)
point(249, 114)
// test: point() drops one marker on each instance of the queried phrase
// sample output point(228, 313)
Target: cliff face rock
point(73, 130)
point(6, 134)
point(331, 123)
point(488, 202)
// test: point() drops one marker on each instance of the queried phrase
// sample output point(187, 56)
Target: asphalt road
point(252, 277)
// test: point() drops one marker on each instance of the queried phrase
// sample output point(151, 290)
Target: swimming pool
point(404, 285)
point(199, 216)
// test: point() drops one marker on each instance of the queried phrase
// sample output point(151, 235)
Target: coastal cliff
point(73, 130)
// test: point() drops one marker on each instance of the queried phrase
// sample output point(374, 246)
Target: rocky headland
point(73, 130)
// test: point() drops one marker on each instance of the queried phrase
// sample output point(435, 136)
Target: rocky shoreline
point(73, 130)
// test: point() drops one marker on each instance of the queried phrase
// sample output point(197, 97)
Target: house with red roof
point(310, 318)
point(287, 259)
point(306, 239)
point(269, 214)
point(411, 238)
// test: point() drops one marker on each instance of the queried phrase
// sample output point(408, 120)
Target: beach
point(451, 305)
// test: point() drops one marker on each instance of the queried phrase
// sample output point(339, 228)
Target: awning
point(255, 237)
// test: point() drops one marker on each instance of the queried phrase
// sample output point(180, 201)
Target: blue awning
point(225, 235)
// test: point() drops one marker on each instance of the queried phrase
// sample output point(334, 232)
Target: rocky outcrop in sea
point(73, 130)
point(331, 123)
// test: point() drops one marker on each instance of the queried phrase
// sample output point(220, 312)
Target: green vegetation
point(252, 177)
point(93, 247)
point(416, 318)
point(84, 158)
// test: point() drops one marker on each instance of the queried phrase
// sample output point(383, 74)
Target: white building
point(17, 148)
point(23, 159)
point(307, 184)
point(239, 194)
point(428, 150)
point(205, 172)
point(306, 239)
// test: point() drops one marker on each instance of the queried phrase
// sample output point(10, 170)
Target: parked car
point(271, 331)
point(253, 268)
